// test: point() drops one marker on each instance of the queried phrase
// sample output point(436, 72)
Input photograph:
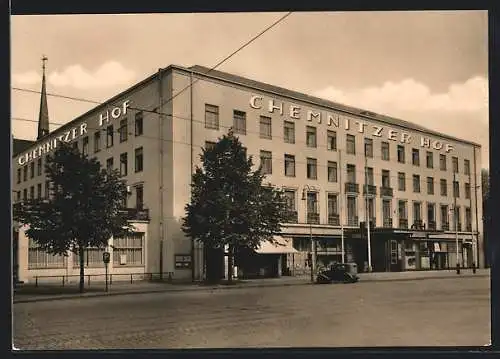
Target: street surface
point(431, 312)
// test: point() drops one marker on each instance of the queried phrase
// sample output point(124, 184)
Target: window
point(18, 175)
point(32, 192)
point(385, 151)
point(332, 204)
point(430, 159)
point(289, 196)
point(311, 136)
point(458, 222)
point(32, 169)
point(401, 154)
point(25, 194)
point(442, 162)
point(139, 196)
point(240, 122)
point(417, 211)
point(109, 164)
point(454, 161)
point(416, 183)
point(25, 173)
point(369, 179)
point(39, 167)
point(47, 189)
point(312, 202)
point(444, 187)
point(265, 127)
point(444, 216)
point(123, 130)
point(39, 190)
point(386, 210)
point(290, 165)
point(431, 213)
point(369, 147)
point(386, 179)
point(415, 156)
point(85, 146)
point(209, 145)
point(352, 211)
point(467, 190)
point(332, 171)
point(139, 159)
point(266, 162)
point(75, 145)
point(109, 136)
point(211, 117)
point(38, 258)
point(401, 181)
point(351, 144)
point(351, 173)
point(92, 257)
point(289, 132)
point(468, 219)
point(312, 168)
point(18, 196)
point(430, 185)
point(331, 140)
point(138, 123)
point(456, 189)
point(123, 164)
point(97, 141)
point(467, 167)
point(402, 210)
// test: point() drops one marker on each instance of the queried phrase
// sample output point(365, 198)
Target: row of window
point(239, 127)
point(312, 213)
point(332, 175)
point(22, 173)
point(126, 251)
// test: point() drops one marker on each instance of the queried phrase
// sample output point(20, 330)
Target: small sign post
point(105, 259)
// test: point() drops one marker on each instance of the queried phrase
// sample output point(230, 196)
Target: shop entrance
point(395, 256)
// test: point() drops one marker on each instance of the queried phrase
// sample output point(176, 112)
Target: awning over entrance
point(285, 245)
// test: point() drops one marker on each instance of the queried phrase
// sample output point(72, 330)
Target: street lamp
point(313, 243)
point(453, 210)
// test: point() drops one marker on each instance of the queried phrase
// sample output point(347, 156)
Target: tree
point(229, 205)
point(84, 209)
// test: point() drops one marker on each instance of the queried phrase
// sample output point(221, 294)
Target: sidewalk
point(29, 293)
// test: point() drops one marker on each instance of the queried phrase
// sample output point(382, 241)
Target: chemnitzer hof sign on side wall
point(72, 133)
point(349, 123)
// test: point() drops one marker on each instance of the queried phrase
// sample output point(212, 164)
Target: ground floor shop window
point(92, 258)
point(129, 250)
point(38, 258)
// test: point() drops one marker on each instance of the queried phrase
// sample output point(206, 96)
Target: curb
point(262, 285)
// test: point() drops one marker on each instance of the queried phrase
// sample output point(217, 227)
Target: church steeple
point(43, 117)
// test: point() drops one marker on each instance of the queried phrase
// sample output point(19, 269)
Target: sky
point(430, 68)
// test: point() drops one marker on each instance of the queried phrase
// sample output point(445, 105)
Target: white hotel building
point(333, 161)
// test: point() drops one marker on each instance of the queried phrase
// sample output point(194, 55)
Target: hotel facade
point(340, 167)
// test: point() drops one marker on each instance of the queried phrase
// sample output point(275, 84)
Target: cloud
point(411, 95)
point(108, 75)
point(26, 78)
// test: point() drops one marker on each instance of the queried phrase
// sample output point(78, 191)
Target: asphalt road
point(443, 312)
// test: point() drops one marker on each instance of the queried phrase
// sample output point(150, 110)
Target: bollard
point(131, 278)
point(36, 281)
point(63, 281)
point(458, 268)
point(474, 268)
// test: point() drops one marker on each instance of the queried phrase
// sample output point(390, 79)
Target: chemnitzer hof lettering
point(348, 123)
point(47, 146)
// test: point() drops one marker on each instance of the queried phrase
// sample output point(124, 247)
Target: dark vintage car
point(339, 273)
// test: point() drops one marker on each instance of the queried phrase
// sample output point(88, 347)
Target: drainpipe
point(476, 244)
point(193, 263)
point(162, 215)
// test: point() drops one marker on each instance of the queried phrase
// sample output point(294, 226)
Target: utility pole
point(313, 247)
point(367, 216)
point(341, 214)
point(456, 220)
